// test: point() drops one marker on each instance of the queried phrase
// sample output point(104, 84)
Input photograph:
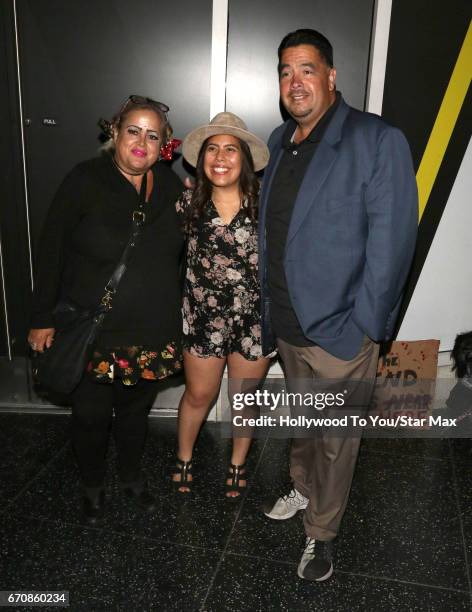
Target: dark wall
point(424, 43)
point(255, 31)
point(13, 225)
point(80, 61)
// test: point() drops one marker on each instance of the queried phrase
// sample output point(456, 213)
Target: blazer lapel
point(318, 170)
point(315, 176)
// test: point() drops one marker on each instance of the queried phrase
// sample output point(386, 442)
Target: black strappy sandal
point(234, 472)
point(184, 470)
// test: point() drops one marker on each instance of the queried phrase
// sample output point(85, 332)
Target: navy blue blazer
point(352, 233)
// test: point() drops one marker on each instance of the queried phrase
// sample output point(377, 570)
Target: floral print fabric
point(134, 362)
point(221, 302)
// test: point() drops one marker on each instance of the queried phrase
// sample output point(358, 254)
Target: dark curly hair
point(248, 185)
point(462, 355)
point(120, 116)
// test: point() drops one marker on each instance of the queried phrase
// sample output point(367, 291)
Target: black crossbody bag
point(61, 367)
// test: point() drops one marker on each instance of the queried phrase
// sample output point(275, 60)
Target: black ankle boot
point(140, 495)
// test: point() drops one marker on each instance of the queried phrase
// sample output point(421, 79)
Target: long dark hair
point(462, 355)
point(248, 185)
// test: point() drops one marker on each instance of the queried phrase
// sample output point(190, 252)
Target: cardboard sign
point(406, 379)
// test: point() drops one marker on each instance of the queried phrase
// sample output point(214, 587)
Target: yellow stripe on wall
point(445, 122)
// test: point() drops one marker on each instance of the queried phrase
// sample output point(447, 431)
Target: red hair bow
point(168, 149)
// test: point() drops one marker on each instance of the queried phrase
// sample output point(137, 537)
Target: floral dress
point(131, 363)
point(221, 301)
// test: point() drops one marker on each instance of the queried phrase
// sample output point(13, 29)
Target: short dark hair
point(308, 37)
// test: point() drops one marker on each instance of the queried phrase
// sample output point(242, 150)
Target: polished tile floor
point(406, 542)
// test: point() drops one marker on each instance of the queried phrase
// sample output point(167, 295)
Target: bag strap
point(139, 217)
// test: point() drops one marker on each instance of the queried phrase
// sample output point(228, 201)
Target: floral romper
point(221, 300)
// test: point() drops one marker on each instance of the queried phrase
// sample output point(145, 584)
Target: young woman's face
point(223, 160)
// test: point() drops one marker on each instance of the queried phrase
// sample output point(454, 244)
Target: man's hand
point(40, 339)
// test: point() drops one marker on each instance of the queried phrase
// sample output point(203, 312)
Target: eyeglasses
point(143, 100)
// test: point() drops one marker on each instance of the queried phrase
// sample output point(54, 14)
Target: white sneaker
point(317, 560)
point(285, 506)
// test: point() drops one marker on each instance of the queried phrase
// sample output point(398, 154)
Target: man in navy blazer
point(338, 220)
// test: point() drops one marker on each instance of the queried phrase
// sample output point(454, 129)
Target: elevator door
point(255, 31)
point(80, 60)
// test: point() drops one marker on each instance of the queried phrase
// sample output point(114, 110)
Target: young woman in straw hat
point(221, 305)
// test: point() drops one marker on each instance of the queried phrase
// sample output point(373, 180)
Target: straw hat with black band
point(225, 123)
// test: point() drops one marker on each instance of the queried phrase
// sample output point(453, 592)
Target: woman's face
point(138, 141)
point(222, 161)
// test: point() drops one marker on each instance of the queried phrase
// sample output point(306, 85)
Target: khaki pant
point(322, 466)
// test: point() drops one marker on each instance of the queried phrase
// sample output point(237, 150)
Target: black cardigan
point(86, 229)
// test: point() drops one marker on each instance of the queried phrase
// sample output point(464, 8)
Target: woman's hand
point(39, 339)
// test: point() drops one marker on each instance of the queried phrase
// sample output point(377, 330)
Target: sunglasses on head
point(168, 149)
point(143, 100)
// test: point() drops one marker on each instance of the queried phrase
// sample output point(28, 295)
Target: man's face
point(307, 84)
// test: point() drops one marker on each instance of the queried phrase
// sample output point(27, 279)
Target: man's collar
point(317, 132)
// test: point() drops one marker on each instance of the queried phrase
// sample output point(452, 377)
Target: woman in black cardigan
point(85, 232)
